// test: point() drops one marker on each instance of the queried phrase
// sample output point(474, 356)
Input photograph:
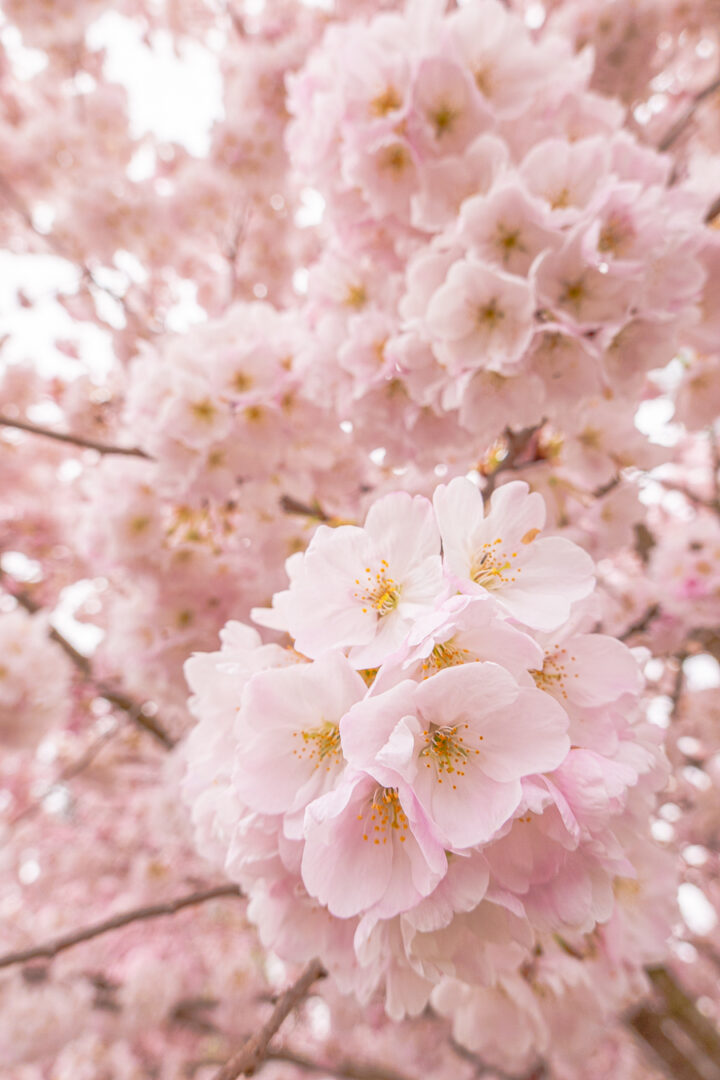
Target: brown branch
point(691, 496)
point(606, 488)
point(255, 1050)
point(237, 21)
point(536, 1072)
point(192, 1013)
point(650, 1027)
point(642, 623)
point(11, 196)
point(715, 464)
point(134, 710)
point(71, 770)
point(712, 211)
point(290, 505)
point(87, 933)
point(105, 689)
point(683, 1011)
point(679, 126)
point(347, 1070)
point(343, 1070)
point(80, 661)
point(73, 440)
point(677, 691)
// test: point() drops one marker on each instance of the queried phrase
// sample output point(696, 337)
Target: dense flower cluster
point(444, 772)
point(500, 245)
point(367, 249)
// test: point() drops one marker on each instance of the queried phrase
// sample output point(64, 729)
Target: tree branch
point(104, 689)
point(675, 695)
point(686, 492)
point(80, 661)
point(344, 1070)
point(11, 196)
point(649, 1026)
point(290, 505)
point(134, 710)
point(536, 1072)
point(642, 623)
point(71, 770)
point(715, 459)
point(255, 1050)
point(679, 126)
point(712, 211)
point(347, 1070)
point(73, 440)
point(684, 1011)
point(87, 933)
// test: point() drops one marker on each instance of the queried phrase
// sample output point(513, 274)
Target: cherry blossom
point(397, 332)
point(478, 552)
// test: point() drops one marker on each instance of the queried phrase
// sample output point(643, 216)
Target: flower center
point(508, 240)
point(490, 315)
point(395, 158)
point(491, 567)
point(319, 743)
point(386, 102)
point(380, 591)
point(443, 119)
point(445, 749)
point(445, 654)
point(554, 673)
point(385, 814)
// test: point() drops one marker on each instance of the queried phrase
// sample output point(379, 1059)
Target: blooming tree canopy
point(360, 539)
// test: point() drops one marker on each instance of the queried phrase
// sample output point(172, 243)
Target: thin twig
point(678, 683)
point(69, 772)
point(80, 661)
point(715, 465)
point(104, 689)
point(134, 709)
point(536, 1072)
point(87, 933)
point(712, 211)
point(683, 1010)
point(607, 487)
point(72, 440)
point(679, 126)
point(649, 1026)
point(11, 196)
point(291, 505)
point(642, 623)
point(686, 492)
point(251, 1055)
point(347, 1070)
point(343, 1070)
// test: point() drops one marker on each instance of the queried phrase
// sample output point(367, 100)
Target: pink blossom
point(462, 739)
point(481, 317)
point(566, 175)
point(288, 731)
point(507, 227)
point(580, 294)
point(361, 587)
point(447, 112)
point(489, 553)
point(369, 847)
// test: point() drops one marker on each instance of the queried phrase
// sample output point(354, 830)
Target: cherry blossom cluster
point(417, 243)
point(500, 245)
point(445, 771)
